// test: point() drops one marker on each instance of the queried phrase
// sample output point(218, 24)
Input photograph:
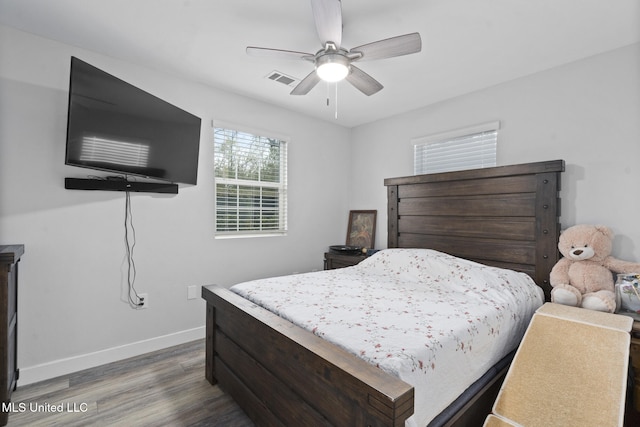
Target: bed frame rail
point(304, 380)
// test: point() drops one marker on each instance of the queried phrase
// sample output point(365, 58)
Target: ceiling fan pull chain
point(327, 85)
point(335, 97)
point(336, 100)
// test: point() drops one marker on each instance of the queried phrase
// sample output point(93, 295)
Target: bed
point(284, 374)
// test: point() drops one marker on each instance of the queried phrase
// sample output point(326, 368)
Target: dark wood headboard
point(506, 216)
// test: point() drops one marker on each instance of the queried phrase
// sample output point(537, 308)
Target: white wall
point(587, 113)
point(72, 309)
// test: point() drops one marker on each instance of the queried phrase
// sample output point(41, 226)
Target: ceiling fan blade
point(306, 84)
point(278, 53)
point(363, 81)
point(328, 17)
point(388, 48)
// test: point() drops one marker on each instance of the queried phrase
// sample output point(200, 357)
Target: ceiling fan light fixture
point(332, 67)
point(333, 62)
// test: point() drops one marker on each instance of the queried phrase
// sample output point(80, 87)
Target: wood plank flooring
point(163, 388)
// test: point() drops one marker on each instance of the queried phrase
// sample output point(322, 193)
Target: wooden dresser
point(9, 257)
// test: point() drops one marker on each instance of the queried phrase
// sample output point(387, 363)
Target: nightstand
point(333, 260)
point(634, 352)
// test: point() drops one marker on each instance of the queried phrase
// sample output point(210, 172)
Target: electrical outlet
point(143, 301)
point(192, 292)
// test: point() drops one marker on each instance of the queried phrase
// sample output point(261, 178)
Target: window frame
point(281, 186)
point(422, 142)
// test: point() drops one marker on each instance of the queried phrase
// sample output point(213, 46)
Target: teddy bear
point(583, 277)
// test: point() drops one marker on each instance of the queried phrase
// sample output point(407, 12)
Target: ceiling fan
point(333, 62)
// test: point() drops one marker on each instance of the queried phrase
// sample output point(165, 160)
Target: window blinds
point(250, 183)
point(455, 152)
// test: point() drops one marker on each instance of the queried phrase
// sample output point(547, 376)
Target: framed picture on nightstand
point(362, 229)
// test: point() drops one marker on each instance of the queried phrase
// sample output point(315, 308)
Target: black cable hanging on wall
point(130, 243)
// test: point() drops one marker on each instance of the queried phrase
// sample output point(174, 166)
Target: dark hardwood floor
point(163, 388)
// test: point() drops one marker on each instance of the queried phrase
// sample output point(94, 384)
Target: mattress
point(435, 321)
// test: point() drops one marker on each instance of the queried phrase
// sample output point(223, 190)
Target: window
point(468, 148)
point(250, 183)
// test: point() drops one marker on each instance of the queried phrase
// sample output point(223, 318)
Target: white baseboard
point(69, 365)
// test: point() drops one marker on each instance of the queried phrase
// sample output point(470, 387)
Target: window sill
point(233, 235)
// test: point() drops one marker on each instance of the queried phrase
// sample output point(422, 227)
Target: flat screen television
point(116, 127)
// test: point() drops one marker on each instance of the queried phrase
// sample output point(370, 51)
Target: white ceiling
point(467, 45)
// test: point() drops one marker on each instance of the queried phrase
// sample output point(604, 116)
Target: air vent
point(279, 77)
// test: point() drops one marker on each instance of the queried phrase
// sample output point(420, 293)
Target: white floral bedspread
point(433, 320)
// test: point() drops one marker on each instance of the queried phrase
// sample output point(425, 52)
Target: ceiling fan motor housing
point(332, 65)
